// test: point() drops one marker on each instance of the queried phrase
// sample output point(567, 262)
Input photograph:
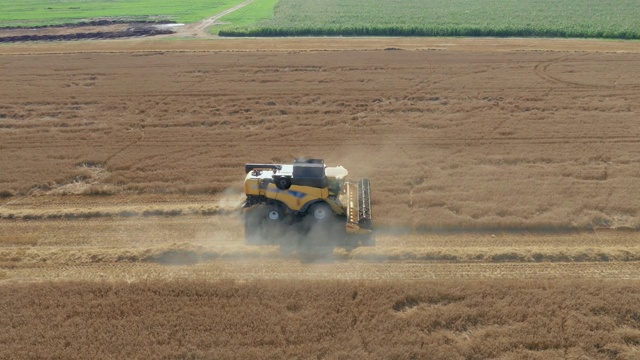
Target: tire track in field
point(197, 30)
point(289, 269)
point(407, 141)
point(544, 71)
point(127, 146)
point(141, 127)
point(425, 142)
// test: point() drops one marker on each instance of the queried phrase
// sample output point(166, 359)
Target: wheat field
point(333, 320)
point(503, 176)
point(457, 142)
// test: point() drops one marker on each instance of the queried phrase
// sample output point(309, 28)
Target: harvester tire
point(275, 213)
point(320, 212)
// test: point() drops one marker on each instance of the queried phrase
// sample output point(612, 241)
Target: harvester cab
point(304, 199)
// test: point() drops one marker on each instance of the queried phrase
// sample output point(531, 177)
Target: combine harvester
point(306, 205)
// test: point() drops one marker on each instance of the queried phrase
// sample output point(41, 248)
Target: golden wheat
point(289, 319)
point(455, 144)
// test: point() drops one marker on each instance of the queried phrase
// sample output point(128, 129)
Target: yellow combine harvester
point(306, 203)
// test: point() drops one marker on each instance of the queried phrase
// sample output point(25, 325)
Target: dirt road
point(113, 29)
point(199, 29)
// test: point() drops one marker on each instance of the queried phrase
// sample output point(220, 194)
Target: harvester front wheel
point(321, 231)
point(321, 212)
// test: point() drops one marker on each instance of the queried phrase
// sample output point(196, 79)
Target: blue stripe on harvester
point(296, 194)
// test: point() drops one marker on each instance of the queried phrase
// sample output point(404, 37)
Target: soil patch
point(90, 30)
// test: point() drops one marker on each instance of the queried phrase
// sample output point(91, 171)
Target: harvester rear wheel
point(275, 213)
point(274, 224)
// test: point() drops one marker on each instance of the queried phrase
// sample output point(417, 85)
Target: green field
point(257, 11)
point(536, 18)
point(57, 12)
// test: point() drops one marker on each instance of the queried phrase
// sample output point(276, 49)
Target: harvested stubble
point(186, 253)
point(500, 254)
point(291, 319)
point(195, 238)
point(449, 139)
point(172, 254)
